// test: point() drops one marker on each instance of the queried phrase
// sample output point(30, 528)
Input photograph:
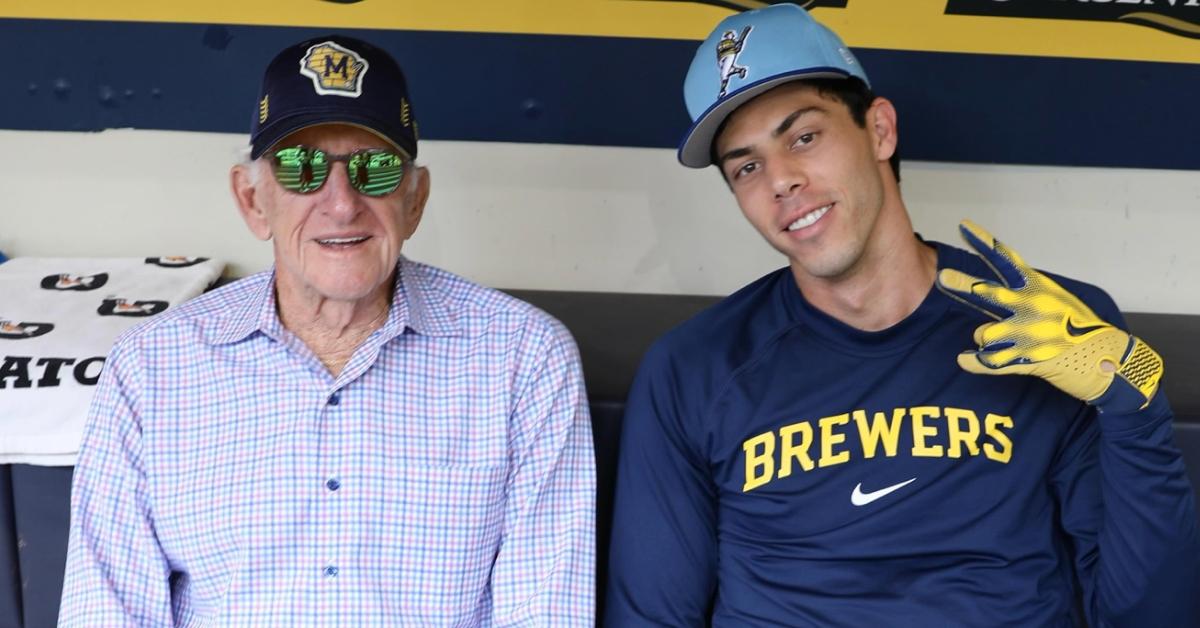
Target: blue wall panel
point(81, 75)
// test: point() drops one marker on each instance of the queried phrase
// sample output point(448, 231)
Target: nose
point(787, 178)
point(341, 201)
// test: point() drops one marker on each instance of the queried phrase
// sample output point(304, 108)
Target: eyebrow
point(779, 130)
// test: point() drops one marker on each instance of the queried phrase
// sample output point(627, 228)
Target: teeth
point(809, 218)
point(343, 240)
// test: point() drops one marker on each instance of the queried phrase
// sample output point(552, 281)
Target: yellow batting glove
point(1045, 331)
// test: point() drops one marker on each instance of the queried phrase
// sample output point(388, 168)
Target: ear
point(415, 199)
point(241, 182)
point(881, 120)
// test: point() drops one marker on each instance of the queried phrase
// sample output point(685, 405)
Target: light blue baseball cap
point(748, 54)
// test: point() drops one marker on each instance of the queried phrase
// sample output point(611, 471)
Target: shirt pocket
point(437, 536)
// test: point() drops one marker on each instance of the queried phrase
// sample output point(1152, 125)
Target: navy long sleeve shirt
point(780, 468)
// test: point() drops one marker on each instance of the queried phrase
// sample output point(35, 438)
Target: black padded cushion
point(1176, 337)
point(614, 329)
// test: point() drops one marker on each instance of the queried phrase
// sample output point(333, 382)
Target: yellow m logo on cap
point(334, 70)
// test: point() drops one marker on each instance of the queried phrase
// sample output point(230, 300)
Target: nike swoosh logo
point(1081, 331)
point(859, 498)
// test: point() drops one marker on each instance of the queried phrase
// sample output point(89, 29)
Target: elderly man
point(352, 438)
point(841, 444)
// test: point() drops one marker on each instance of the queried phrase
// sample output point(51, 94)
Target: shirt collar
point(248, 298)
point(416, 304)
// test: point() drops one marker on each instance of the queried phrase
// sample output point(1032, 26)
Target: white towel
point(58, 320)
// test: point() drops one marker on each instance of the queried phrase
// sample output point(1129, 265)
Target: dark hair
point(852, 92)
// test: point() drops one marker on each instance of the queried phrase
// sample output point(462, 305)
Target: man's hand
point(1045, 331)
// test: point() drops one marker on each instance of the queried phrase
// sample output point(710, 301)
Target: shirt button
point(330, 571)
point(335, 399)
point(332, 484)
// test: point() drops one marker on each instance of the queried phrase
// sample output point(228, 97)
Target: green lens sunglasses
point(373, 172)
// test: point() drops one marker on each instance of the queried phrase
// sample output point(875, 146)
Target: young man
point(351, 438)
point(809, 452)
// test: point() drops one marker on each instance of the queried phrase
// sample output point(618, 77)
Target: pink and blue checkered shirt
point(444, 478)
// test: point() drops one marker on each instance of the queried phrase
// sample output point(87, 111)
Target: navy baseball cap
point(334, 79)
point(748, 54)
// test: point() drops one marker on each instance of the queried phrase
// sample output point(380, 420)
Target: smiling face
point(334, 243)
point(809, 178)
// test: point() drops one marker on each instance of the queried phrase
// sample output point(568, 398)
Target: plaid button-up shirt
point(444, 478)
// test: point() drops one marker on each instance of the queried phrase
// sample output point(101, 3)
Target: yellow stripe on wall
point(888, 24)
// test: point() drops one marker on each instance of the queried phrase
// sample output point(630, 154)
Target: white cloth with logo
point(58, 320)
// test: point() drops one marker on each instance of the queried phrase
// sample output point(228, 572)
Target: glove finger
point(982, 362)
point(1001, 355)
point(993, 336)
point(981, 332)
point(1005, 262)
point(982, 295)
point(1081, 316)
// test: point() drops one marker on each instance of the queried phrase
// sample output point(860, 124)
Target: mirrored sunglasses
point(373, 172)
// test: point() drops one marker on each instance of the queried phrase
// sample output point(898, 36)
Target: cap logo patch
point(405, 112)
point(264, 108)
point(334, 70)
point(728, 50)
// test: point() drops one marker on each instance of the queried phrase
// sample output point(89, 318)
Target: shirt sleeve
point(1129, 510)
point(544, 573)
point(116, 573)
point(663, 555)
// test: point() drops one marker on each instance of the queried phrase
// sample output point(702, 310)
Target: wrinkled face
point(807, 176)
point(334, 243)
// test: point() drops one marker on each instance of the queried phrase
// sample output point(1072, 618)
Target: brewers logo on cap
point(728, 50)
point(335, 70)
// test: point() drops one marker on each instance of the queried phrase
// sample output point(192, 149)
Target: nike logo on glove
point(859, 498)
point(1082, 331)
